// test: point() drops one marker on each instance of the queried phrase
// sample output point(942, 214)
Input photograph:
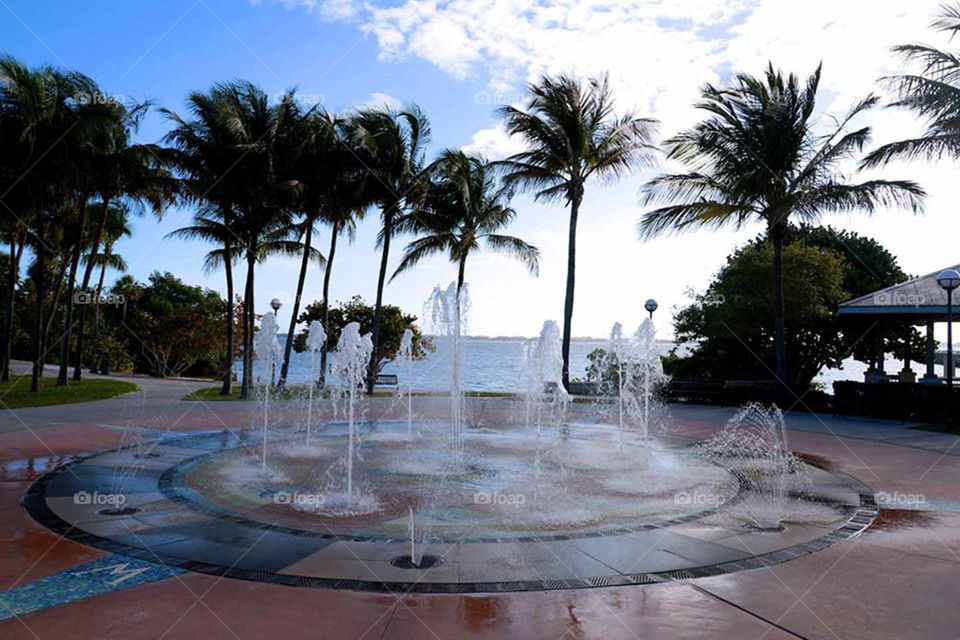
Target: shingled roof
point(917, 297)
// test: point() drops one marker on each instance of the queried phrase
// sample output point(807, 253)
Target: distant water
point(488, 365)
point(495, 365)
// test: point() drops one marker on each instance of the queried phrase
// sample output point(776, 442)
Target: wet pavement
point(897, 579)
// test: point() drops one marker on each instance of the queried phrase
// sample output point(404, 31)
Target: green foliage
point(171, 327)
point(394, 322)
point(732, 321)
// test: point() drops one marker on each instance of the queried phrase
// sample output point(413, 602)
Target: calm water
point(488, 365)
point(495, 365)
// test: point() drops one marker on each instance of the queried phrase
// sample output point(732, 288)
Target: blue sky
point(458, 60)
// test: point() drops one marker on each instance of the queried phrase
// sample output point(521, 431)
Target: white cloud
point(377, 100)
point(327, 9)
point(658, 54)
point(494, 143)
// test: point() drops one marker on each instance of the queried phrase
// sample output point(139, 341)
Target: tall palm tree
point(759, 157)
point(572, 135)
point(390, 145)
point(228, 156)
point(138, 174)
point(206, 154)
point(116, 227)
point(40, 107)
point(933, 93)
point(464, 208)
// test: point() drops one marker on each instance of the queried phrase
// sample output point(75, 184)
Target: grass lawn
point(940, 428)
point(16, 393)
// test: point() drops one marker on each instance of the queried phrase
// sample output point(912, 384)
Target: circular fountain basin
point(522, 512)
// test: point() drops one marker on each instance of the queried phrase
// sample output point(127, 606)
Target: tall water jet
point(618, 353)
point(348, 365)
point(753, 446)
point(543, 390)
point(447, 311)
point(316, 340)
point(645, 355)
point(268, 353)
point(405, 388)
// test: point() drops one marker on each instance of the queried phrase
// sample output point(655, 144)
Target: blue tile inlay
point(83, 581)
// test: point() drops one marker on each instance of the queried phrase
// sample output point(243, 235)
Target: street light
point(949, 279)
point(651, 306)
point(275, 304)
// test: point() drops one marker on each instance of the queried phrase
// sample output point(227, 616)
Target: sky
point(461, 59)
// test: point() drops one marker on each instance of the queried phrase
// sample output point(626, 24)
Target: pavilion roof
point(921, 297)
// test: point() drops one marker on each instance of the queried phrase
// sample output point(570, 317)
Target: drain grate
point(426, 562)
point(125, 511)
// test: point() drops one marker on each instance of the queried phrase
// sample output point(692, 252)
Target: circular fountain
point(439, 494)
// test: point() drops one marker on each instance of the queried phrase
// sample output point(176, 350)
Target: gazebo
point(920, 301)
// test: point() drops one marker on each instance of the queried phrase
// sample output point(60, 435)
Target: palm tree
point(464, 208)
point(40, 108)
point(116, 227)
point(323, 163)
point(228, 155)
point(933, 94)
point(206, 153)
point(759, 157)
point(390, 145)
point(573, 135)
point(138, 174)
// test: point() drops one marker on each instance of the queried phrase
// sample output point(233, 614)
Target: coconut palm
point(464, 209)
point(572, 135)
point(136, 174)
point(759, 157)
point(117, 226)
point(933, 93)
point(390, 145)
point(45, 133)
point(232, 157)
point(206, 154)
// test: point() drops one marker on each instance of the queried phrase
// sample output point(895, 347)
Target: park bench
point(387, 380)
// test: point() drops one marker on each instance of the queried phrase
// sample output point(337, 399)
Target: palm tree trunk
point(776, 233)
point(568, 302)
point(87, 274)
point(325, 312)
point(12, 276)
point(248, 326)
point(55, 301)
point(308, 238)
point(225, 390)
point(378, 309)
point(38, 310)
point(460, 273)
point(95, 328)
point(68, 319)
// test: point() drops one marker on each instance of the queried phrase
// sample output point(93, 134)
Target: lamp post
point(949, 279)
point(651, 306)
point(275, 304)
